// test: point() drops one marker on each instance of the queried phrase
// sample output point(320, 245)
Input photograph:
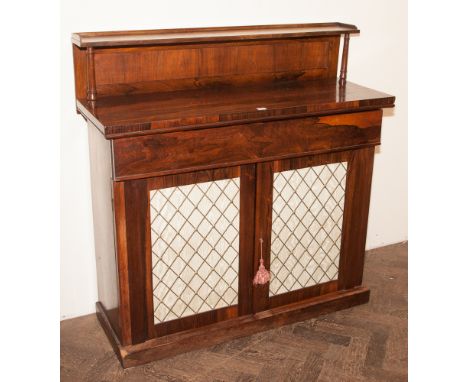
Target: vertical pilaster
point(263, 212)
point(246, 237)
point(356, 212)
point(131, 217)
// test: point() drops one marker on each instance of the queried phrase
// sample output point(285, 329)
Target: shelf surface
point(189, 109)
point(215, 34)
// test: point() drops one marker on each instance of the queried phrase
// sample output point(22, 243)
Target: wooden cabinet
point(214, 148)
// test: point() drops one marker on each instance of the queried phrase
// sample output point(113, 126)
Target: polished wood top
point(190, 109)
point(214, 34)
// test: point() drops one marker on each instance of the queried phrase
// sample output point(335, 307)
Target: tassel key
point(263, 275)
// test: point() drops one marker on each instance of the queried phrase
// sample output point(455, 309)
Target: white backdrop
point(378, 59)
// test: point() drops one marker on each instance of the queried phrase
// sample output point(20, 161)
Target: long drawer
point(182, 151)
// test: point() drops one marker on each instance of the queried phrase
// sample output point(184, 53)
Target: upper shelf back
point(116, 63)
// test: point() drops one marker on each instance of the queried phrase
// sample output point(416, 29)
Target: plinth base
point(173, 344)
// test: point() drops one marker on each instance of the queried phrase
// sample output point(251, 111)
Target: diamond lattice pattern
point(195, 245)
point(306, 226)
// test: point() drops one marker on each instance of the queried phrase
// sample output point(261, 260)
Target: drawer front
point(182, 151)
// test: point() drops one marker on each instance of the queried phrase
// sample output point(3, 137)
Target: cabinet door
point(201, 247)
point(304, 206)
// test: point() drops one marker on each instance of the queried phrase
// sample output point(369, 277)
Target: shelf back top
point(207, 35)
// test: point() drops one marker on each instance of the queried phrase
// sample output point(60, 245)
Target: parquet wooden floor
point(365, 343)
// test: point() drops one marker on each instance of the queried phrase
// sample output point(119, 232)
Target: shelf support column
point(344, 60)
point(91, 93)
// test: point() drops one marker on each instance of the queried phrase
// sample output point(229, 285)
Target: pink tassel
point(262, 276)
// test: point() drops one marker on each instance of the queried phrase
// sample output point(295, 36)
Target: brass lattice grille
point(306, 226)
point(195, 245)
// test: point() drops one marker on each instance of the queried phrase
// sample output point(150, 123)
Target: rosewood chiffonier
point(217, 153)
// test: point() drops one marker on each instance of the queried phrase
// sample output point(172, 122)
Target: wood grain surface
point(161, 154)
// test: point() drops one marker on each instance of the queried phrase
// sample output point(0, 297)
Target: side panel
point(79, 66)
point(103, 216)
